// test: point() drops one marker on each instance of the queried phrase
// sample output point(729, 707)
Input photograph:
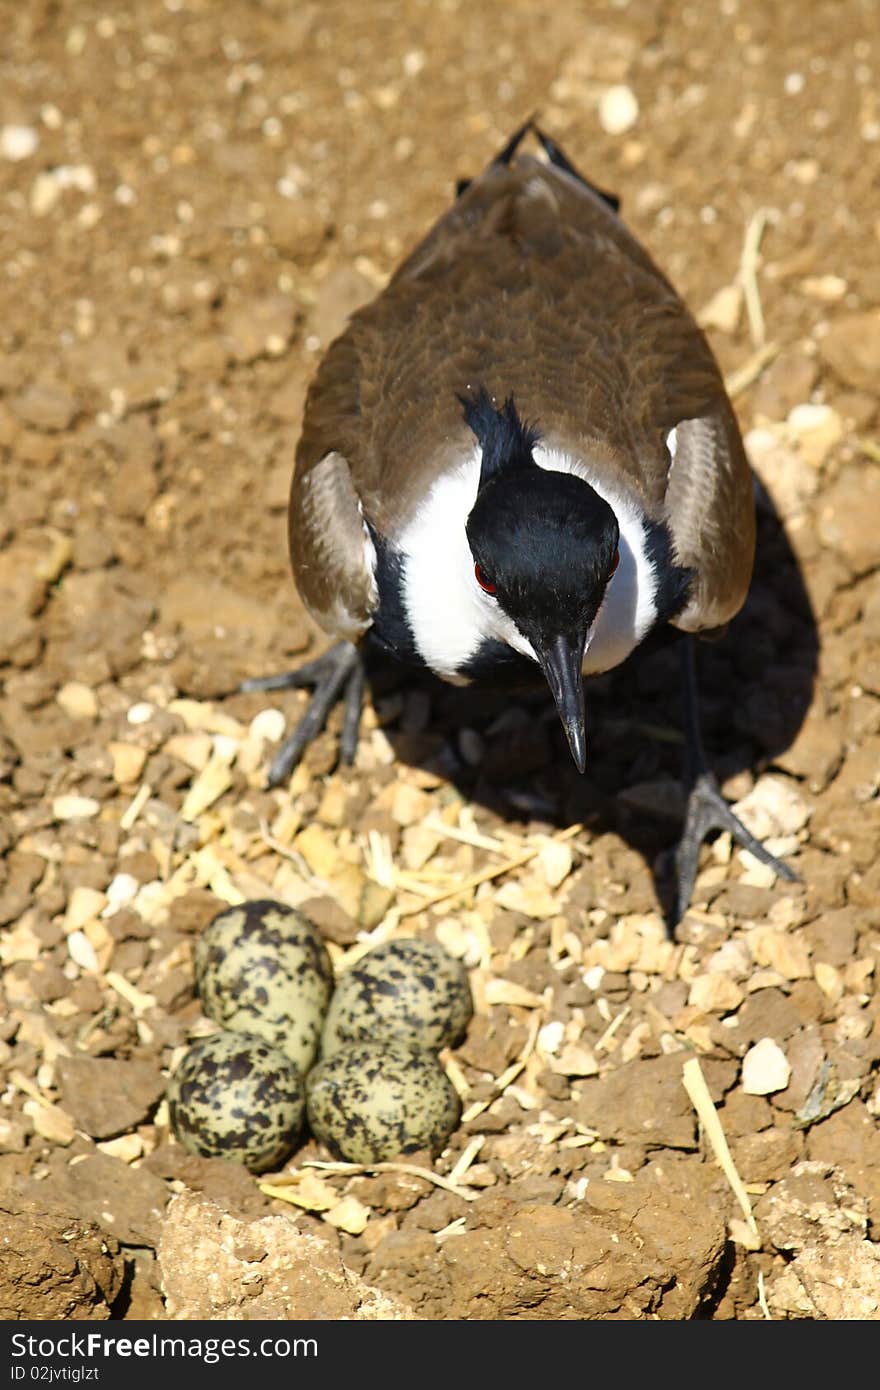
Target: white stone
point(141, 713)
point(78, 176)
point(550, 1036)
point(786, 476)
point(826, 288)
point(814, 429)
point(732, 958)
point(225, 747)
point(575, 1060)
point(82, 952)
point(78, 700)
point(774, 806)
point(83, 905)
point(72, 807)
point(18, 142)
point(618, 109)
point(44, 194)
point(765, 1069)
point(555, 860)
point(50, 1122)
point(715, 993)
point(122, 889)
point(756, 874)
point(723, 309)
point(267, 726)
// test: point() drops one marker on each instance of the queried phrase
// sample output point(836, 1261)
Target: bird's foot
point(337, 674)
point(707, 810)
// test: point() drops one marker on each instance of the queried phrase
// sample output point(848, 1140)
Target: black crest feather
point(506, 440)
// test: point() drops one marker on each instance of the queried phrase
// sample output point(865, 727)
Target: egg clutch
point(358, 1061)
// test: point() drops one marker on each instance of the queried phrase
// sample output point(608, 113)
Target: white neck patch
point(451, 616)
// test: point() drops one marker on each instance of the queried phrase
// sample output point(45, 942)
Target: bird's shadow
point(755, 687)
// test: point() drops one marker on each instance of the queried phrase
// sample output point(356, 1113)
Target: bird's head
point(544, 546)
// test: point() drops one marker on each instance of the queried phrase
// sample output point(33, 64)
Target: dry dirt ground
point(192, 198)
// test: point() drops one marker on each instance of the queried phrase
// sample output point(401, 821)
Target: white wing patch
point(451, 616)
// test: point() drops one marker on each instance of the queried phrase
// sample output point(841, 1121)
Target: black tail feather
point(561, 160)
point(555, 155)
point(506, 155)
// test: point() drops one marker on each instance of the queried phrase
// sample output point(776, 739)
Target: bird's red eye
point(484, 583)
point(614, 563)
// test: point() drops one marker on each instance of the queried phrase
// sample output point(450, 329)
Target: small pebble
point(774, 806)
point(128, 762)
point(72, 807)
point(550, 1037)
point(815, 428)
point(18, 142)
point(555, 861)
point(723, 309)
point(50, 1122)
point(826, 288)
point(765, 1069)
point(78, 700)
point(121, 890)
point(574, 1060)
point(268, 725)
point(82, 952)
point(714, 993)
point(618, 110)
point(141, 712)
point(83, 905)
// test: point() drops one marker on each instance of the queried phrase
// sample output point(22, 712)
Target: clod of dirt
point(648, 1102)
point(215, 1266)
point(844, 516)
point(54, 1264)
point(125, 1203)
point(106, 1096)
point(628, 1250)
point(852, 348)
point(816, 1216)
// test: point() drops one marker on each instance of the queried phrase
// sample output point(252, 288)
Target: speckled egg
point(373, 1101)
point(262, 968)
point(234, 1096)
point(406, 991)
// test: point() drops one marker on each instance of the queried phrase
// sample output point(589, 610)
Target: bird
point(517, 462)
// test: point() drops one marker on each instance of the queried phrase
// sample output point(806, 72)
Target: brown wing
point(327, 545)
point(532, 287)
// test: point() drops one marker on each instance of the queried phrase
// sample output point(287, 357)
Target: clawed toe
point(707, 810)
point(337, 674)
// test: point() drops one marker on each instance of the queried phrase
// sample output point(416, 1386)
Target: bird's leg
point(707, 809)
point(337, 674)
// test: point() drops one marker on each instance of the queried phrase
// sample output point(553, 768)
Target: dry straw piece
point(280, 1187)
point(698, 1091)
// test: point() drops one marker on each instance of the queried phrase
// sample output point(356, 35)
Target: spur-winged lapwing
point(515, 463)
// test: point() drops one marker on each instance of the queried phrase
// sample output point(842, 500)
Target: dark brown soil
point(192, 199)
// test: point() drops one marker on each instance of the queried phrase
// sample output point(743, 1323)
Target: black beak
point(560, 660)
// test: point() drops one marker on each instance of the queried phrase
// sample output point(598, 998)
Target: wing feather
point(531, 286)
